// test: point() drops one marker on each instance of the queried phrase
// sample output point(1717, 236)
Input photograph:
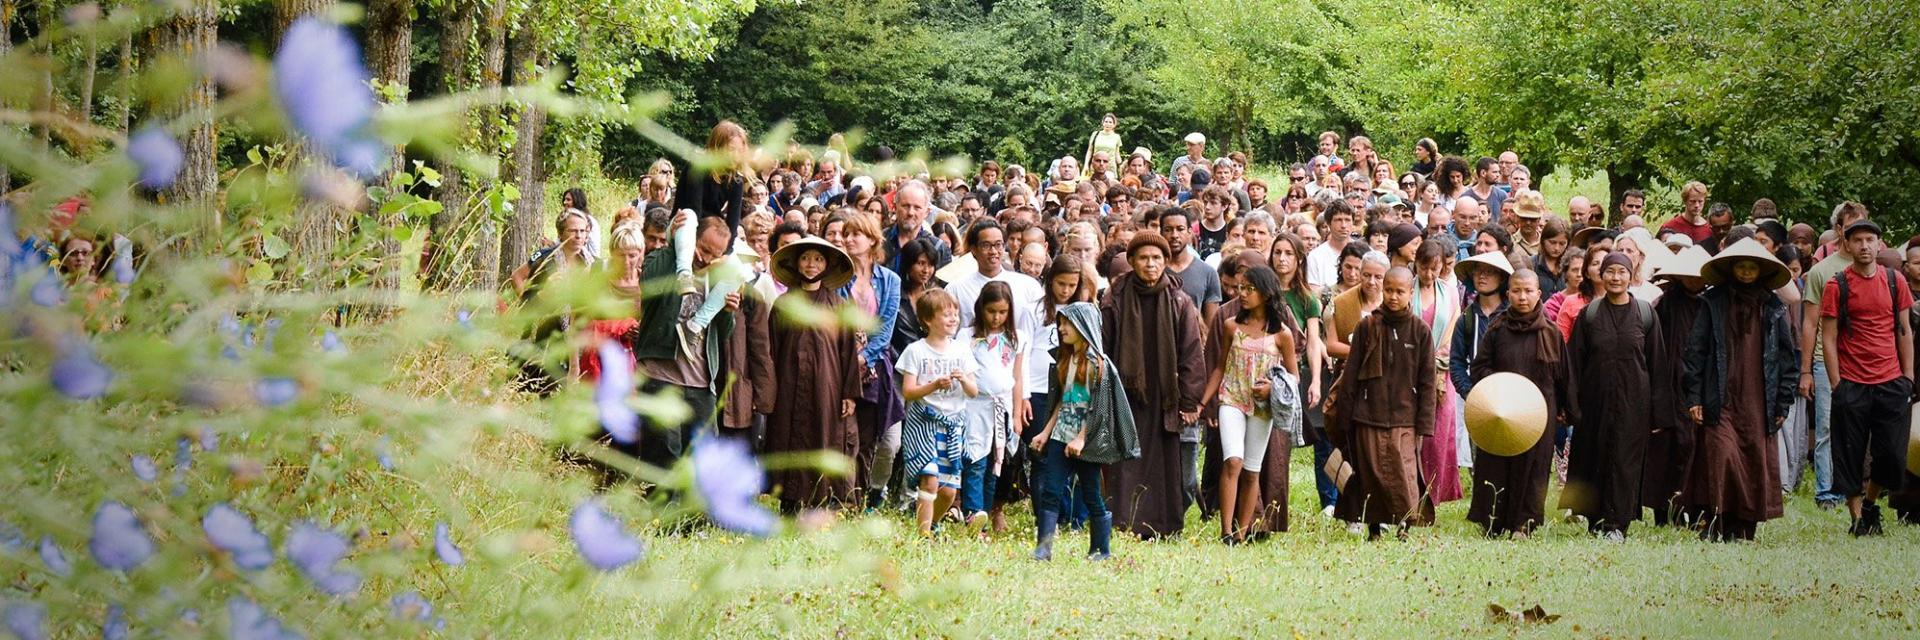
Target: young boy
point(937, 376)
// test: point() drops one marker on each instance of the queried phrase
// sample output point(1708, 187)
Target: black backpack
point(1893, 300)
point(1644, 308)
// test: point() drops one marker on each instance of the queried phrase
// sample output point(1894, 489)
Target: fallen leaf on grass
point(1534, 615)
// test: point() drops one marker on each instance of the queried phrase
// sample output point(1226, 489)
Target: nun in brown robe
point(1741, 375)
point(813, 412)
point(1610, 358)
point(1152, 333)
point(1510, 492)
point(1670, 445)
point(1385, 406)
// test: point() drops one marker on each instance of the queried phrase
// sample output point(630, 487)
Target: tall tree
point(448, 243)
point(524, 164)
point(192, 30)
point(390, 60)
point(6, 47)
point(485, 257)
point(320, 229)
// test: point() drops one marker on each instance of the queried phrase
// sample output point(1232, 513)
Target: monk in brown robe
point(1610, 357)
point(1670, 444)
point(1741, 375)
point(813, 412)
point(1152, 333)
point(1385, 405)
point(1510, 492)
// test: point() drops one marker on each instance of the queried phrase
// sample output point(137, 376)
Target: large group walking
point(1122, 339)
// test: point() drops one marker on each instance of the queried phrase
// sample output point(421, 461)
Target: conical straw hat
point(1464, 268)
point(1506, 415)
point(786, 270)
point(959, 267)
point(1719, 270)
point(1656, 252)
point(1913, 444)
point(1688, 263)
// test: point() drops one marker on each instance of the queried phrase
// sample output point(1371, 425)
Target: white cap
point(1196, 138)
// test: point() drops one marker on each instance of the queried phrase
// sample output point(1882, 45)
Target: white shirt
point(924, 363)
point(1027, 298)
point(1323, 266)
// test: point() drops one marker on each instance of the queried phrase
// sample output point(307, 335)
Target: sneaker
point(1827, 505)
point(1327, 512)
point(1615, 536)
point(1869, 522)
point(1356, 528)
point(977, 521)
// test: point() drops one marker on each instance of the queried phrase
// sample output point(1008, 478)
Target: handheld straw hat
point(786, 263)
point(1506, 415)
point(1719, 270)
point(957, 268)
point(1686, 264)
point(1913, 445)
point(1656, 252)
point(1491, 259)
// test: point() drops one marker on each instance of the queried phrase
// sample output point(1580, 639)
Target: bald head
point(1523, 275)
point(1402, 275)
point(1397, 290)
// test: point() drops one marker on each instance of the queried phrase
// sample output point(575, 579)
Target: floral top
point(1248, 361)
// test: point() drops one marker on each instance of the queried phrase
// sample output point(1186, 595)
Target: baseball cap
point(1862, 225)
point(1390, 200)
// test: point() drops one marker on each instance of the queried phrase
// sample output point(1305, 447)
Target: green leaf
point(261, 272)
point(253, 155)
point(427, 174)
point(400, 234)
point(274, 247)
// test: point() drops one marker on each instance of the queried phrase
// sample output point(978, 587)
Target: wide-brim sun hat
point(1506, 414)
point(1719, 270)
point(1686, 264)
point(1585, 235)
point(786, 263)
point(1493, 259)
point(1656, 252)
point(1913, 445)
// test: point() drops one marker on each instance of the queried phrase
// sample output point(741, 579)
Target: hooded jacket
point(1111, 434)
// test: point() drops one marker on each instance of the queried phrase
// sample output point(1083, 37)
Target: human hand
point(1806, 385)
point(681, 219)
point(846, 408)
point(733, 302)
point(1697, 414)
point(1262, 388)
point(1313, 393)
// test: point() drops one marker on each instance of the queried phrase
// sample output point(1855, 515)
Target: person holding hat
point(1670, 444)
point(1611, 355)
point(1378, 418)
point(1866, 336)
point(1153, 333)
point(1739, 378)
point(1510, 492)
point(813, 412)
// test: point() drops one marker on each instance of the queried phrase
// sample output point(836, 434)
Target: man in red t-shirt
point(1692, 221)
point(1870, 361)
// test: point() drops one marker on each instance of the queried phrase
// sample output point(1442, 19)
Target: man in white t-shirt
point(987, 242)
point(1323, 262)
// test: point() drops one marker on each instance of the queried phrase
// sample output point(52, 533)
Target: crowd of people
point(1122, 339)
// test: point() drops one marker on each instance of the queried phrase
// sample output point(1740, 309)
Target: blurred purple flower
point(182, 455)
point(331, 343)
point(47, 290)
point(383, 453)
point(728, 479)
point(122, 267)
point(144, 469)
point(276, 391)
point(315, 552)
point(601, 538)
point(322, 85)
point(412, 606)
point(610, 395)
point(465, 318)
point(118, 542)
point(76, 374)
point(115, 626)
point(26, 620)
point(209, 441)
point(158, 155)
point(11, 538)
point(54, 558)
point(247, 621)
point(443, 546)
point(190, 616)
point(232, 532)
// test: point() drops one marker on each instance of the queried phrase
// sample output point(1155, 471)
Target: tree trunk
point(446, 244)
point(319, 229)
point(390, 60)
point(44, 99)
point(125, 65)
point(6, 46)
point(485, 258)
point(189, 33)
point(525, 164)
point(85, 114)
point(1621, 176)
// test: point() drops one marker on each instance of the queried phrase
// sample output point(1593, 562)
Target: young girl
point(1067, 282)
point(716, 194)
point(1091, 428)
point(937, 376)
point(1259, 338)
point(996, 348)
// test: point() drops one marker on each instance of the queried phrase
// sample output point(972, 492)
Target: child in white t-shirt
point(937, 376)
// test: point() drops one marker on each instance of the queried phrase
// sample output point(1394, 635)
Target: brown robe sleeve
point(759, 352)
point(852, 366)
point(1426, 399)
point(1192, 372)
point(1340, 416)
point(1575, 355)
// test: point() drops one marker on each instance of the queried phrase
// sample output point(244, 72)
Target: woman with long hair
point(875, 291)
point(1259, 338)
point(1452, 177)
point(1426, 154)
point(1105, 139)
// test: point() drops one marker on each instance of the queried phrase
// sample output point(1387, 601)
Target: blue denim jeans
point(1822, 434)
point(1058, 472)
point(976, 484)
point(1329, 494)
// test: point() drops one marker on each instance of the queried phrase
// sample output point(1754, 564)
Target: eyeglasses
point(992, 246)
point(1296, 178)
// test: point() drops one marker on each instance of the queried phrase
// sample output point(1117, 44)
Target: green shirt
point(1817, 278)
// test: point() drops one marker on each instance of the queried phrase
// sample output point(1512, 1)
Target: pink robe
point(1439, 466)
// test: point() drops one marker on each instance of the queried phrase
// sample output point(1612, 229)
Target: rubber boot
point(1100, 537)
point(1046, 523)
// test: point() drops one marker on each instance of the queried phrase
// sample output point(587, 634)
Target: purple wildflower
point(728, 479)
point(601, 538)
point(26, 620)
point(47, 290)
point(158, 155)
point(383, 452)
point(331, 343)
point(11, 538)
point(232, 532)
point(444, 548)
point(323, 87)
point(465, 318)
point(276, 391)
point(54, 558)
point(610, 395)
point(119, 542)
point(145, 469)
point(412, 606)
point(247, 621)
point(315, 552)
point(209, 441)
point(122, 267)
point(115, 626)
point(182, 455)
point(77, 374)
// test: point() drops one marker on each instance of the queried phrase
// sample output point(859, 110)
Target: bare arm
point(1809, 332)
point(1905, 342)
point(1832, 357)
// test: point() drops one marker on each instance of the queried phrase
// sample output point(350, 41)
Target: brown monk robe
point(1610, 357)
point(1510, 492)
point(808, 412)
point(1271, 517)
point(1741, 375)
point(1385, 405)
point(1670, 445)
point(749, 357)
point(1152, 332)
